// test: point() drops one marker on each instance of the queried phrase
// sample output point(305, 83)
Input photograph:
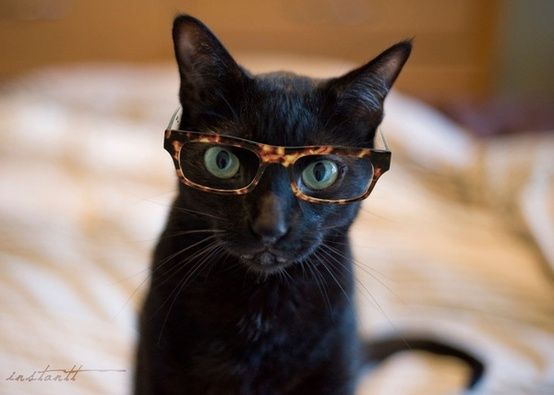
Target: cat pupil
point(222, 159)
point(319, 171)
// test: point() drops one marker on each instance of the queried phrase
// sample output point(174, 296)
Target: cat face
point(269, 228)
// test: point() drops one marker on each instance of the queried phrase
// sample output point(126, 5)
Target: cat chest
point(264, 340)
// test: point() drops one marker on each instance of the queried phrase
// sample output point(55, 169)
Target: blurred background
point(478, 60)
point(455, 243)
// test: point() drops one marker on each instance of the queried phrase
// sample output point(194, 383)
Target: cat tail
point(375, 352)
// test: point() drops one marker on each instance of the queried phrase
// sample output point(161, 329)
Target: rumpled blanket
point(455, 243)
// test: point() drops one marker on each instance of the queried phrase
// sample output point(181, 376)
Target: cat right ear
point(365, 88)
point(210, 77)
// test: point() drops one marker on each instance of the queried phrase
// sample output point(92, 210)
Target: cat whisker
point(190, 211)
point(324, 264)
point(223, 255)
point(197, 254)
point(183, 233)
point(319, 282)
point(373, 299)
point(285, 276)
point(366, 268)
point(379, 216)
point(166, 237)
point(151, 272)
point(182, 264)
point(336, 231)
point(184, 209)
point(356, 279)
point(208, 253)
point(342, 243)
point(190, 232)
point(170, 257)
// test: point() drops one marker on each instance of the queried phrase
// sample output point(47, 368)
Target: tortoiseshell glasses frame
point(175, 139)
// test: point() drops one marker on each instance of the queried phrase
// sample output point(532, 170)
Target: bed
point(456, 242)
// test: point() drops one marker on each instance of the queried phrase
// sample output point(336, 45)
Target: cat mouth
point(265, 261)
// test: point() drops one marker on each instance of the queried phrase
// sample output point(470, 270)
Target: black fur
point(377, 351)
point(260, 305)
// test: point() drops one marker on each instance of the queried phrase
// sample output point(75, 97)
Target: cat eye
point(224, 164)
point(320, 174)
point(221, 162)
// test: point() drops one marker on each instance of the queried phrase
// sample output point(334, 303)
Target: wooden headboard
point(454, 40)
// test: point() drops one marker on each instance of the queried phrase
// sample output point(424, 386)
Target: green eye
point(221, 162)
point(320, 175)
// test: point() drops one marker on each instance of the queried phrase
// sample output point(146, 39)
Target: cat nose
point(268, 233)
point(270, 224)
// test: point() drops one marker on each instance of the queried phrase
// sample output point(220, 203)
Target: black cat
point(251, 293)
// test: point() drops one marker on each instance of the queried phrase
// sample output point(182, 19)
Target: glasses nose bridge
point(270, 154)
point(275, 178)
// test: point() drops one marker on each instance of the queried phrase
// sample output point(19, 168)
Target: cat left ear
point(371, 82)
point(209, 75)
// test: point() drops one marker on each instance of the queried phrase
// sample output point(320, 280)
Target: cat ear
point(210, 77)
point(368, 85)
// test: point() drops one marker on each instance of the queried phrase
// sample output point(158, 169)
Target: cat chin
point(265, 262)
point(270, 260)
point(267, 270)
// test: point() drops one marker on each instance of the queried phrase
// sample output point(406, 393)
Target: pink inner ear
point(191, 38)
point(187, 41)
point(186, 46)
point(389, 63)
point(370, 83)
point(198, 50)
point(389, 68)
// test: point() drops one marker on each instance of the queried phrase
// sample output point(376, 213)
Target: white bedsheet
point(454, 242)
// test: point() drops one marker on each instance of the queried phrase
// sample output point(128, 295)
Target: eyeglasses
point(231, 165)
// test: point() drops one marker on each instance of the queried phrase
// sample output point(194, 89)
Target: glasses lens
point(333, 177)
point(218, 166)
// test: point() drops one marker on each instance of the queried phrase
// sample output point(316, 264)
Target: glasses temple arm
point(385, 145)
point(175, 119)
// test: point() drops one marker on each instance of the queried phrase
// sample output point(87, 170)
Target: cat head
point(269, 228)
